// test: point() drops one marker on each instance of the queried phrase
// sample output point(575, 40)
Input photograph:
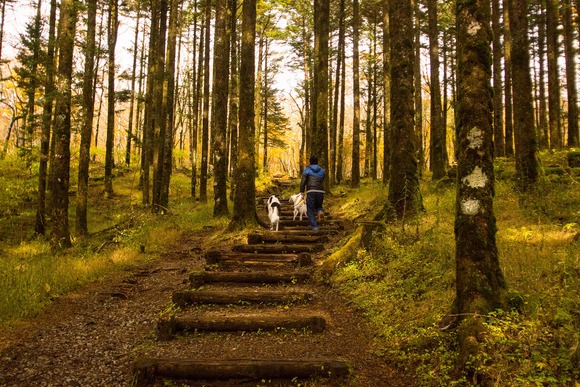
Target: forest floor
point(92, 336)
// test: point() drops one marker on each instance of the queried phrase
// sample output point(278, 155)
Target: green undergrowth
point(123, 234)
point(404, 283)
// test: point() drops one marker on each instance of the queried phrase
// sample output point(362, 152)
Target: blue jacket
point(312, 179)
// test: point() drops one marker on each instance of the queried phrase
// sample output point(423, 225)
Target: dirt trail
point(92, 337)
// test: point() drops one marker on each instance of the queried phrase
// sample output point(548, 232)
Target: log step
point(279, 248)
point(225, 297)
point(199, 278)
point(274, 237)
point(217, 256)
point(167, 328)
point(304, 222)
point(147, 369)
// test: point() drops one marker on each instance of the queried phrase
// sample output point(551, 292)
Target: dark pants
point(314, 202)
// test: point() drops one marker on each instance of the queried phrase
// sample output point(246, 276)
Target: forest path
point(100, 335)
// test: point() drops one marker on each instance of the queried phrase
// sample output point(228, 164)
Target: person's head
point(313, 160)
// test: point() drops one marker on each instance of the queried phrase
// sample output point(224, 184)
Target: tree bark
point(527, 163)
point(498, 135)
point(438, 154)
point(110, 143)
point(543, 130)
point(570, 52)
point(205, 119)
point(480, 283)
point(133, 77)
point(245, 172)
point(404, 196)
point(60, 234)
point(554, 112)
point(387, 92)
point(88, 115)
point(509, 128)
point(221, 63)
point(355, 170)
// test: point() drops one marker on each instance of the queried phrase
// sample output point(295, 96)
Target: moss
point(342, 256)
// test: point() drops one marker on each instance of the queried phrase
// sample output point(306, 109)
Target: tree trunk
point(479, 280)
point(509, 128)
point(570, 51)
point(245, 172)
point(320, 98)
point(169, 105)
point(404, 196)
point(355, 171)
point(40, 226)
point(340, 156)
point(233, 98)
point(60, 235)
point(334, 122)
point(133, 77)
point(555, 122)
point(498, 136)
point(438, 133)
point(196, 105)
point(418, 89)
point(527, 164)
point(205, 119)
point(221, 64)
point(110, 143)
point(387, 91)
point(543, 130)
point(81, 225)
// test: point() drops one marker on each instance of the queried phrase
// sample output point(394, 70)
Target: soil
point(92, 336)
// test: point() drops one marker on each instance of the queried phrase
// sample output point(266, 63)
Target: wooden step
point(277, 237)
point(225, 297)
point(167, 328)
point(199, 278)
point(279, 248)
point(294, 230)
point(146, 370)
point(250, 255)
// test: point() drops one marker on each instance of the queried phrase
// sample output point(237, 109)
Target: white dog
point(274, 212)
point(299, 205)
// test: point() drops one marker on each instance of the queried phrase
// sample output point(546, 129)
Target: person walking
point(312, 184)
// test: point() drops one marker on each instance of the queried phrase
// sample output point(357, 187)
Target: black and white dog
point(274, 212)
point(299, 205)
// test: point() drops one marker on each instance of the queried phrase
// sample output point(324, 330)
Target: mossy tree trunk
point(81, 225)
point(387, 94)
point(480, 283)
point(438, 153)
point(570, 53)
point(498, 135)
point(509, 127)
point(220, 107)
point(355, 171)
point(553, 46)
point(527, 162)
point(245, 172)
point(205, 118)
point(404, 196)
point(320, 98)
point(60, 234)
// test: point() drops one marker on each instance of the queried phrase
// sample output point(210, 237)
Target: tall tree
point(205, 119)
point(418, 89)
point(387, 91)
point(498, 136)
point(320, 96)
point(438, 154)
point(60, 234)
point(337, 88)
point(196, 105)
point(221, 63)
point(133, 79)
point(355, 172)
point(112, 27)
point(88, 108)
point(40, 225)
point(570, 52)
point(479, 279)
point(234, 100)
point(527, 164)
point(554, 111)
point(543, 128)
point(245, 172)
point(509, 128)
point(404, 195)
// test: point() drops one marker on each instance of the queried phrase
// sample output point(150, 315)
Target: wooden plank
point(279, 248)
point(146, 370)
point(225, 297)
point(167, 328)
point(275, 237)
point(218, 256)
point(200, 278)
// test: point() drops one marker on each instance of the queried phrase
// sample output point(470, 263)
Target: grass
point(31, 275)
point(405, 284)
